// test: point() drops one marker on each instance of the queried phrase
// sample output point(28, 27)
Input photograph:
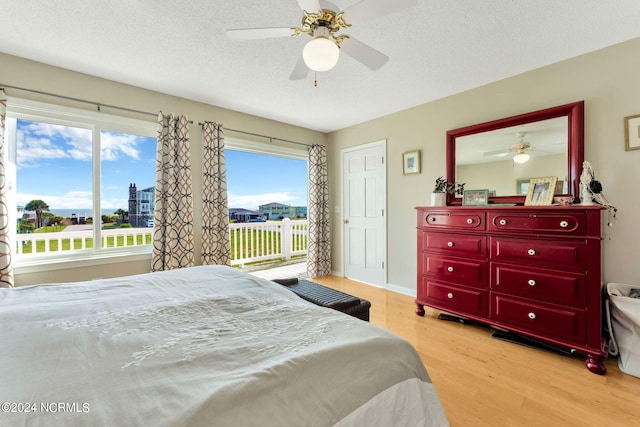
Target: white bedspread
point(203, 346)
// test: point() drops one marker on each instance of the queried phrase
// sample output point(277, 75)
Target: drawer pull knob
point(503, 222)
point(432, 219)
point(450, 295)
point(469, 220)
point(450, 244)
point(531, 282)
point(450, 269)
point(531, 252)
point(564, 224)
point(532, 315)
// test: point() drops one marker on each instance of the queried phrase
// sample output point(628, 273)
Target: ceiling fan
point(323, 21)
point(519, 150)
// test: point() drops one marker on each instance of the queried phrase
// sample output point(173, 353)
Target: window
point(80, 184)
point(259, 175)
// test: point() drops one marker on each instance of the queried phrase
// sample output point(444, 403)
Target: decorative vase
point(438, 199)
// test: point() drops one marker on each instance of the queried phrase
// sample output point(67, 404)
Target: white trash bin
point(623, 317)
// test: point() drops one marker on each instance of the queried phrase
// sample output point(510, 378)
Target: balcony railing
point(260, 241)
point(250, 242)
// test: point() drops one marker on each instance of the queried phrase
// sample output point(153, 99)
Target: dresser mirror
point(503, 155)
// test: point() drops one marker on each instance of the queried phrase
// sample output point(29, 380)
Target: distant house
point(278, 211)
point(243, 215)
point(141, 206)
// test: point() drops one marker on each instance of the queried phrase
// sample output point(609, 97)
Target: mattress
point(200, 346)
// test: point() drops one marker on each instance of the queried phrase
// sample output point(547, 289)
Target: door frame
point(380, 143)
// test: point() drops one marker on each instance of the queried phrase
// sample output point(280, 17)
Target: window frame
point(96, 122)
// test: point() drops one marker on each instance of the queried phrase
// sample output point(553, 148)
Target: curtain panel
point(173, 242)
point(216, 248)
point(319, 244)
point(6, 270)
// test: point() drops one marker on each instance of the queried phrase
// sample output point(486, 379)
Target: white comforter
point(203, 346)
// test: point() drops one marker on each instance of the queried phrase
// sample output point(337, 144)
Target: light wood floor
point(483, 381)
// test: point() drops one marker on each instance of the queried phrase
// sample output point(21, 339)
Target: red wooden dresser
point(532, 270)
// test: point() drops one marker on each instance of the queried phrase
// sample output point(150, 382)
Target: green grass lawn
point(66, 244)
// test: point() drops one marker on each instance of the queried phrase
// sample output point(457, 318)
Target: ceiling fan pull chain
point(315, 80)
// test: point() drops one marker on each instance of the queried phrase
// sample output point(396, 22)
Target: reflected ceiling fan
point(323, 21)
point(519, 150)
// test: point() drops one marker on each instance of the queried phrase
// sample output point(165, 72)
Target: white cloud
point(70, 200)
point(36, 143)
point(39, 141)
point(114, 145)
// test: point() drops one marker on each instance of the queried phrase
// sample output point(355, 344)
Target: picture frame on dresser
point(475, 197)
point(541, 191)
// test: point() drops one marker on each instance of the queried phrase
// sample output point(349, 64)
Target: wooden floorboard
point(483, 381)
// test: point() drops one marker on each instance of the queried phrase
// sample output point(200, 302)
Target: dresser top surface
point(552, 208)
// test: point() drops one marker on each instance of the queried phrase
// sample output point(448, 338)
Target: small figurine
point(586, 196)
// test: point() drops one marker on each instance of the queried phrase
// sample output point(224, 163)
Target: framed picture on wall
point(522, 185)
point(632, 133)
point(411, 162)
point(541, 191)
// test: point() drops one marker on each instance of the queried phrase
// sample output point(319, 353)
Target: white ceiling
point(436, 49)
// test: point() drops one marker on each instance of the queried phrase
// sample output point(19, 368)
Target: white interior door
point(364, 204)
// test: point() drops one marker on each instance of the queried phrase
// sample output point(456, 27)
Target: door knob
point(346, 221)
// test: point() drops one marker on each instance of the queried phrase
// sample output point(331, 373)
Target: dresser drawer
point(468, 272)
point(455, 244)
point(540, 284)
point(468, 220)
point(541, 253)
point(537, 223)
point(553, 321)
point(455, 298)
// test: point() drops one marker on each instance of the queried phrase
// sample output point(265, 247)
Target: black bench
point(327, 297)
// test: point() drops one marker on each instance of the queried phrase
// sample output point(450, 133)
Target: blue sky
point(54, 165)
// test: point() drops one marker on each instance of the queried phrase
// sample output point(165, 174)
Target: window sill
point(24, 265)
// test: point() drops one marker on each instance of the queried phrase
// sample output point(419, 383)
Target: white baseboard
point(401, 290)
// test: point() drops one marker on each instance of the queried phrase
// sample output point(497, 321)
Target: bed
point(200, 346)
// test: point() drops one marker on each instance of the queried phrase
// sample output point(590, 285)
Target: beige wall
point(28, 74)
point(606, 80)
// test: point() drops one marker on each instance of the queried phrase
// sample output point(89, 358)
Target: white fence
point(250, 242)
point(35, 244)
point(260, 241)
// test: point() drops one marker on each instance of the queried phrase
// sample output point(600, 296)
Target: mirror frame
point(575, 148)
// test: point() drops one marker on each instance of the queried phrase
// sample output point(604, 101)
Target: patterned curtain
point(319, 250)
point(173, 213)
point(6, 271)
point(216, 248)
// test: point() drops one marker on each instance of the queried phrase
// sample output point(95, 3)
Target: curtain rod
point(99, 104)
point(270, 138)
point(69, 98)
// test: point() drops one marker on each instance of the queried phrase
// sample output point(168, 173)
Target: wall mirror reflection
point(504, 154)
point(503, 159)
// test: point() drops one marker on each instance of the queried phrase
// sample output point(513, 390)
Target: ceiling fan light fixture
point(521, 157)
point(321, 54)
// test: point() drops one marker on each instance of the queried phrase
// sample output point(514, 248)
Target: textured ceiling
point(436, 49)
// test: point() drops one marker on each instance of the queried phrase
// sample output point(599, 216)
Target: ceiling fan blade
point(363, 53)
point(311, 6)
point(367, 10)
point(259, 33)
point(300, 71)
point(500, 153)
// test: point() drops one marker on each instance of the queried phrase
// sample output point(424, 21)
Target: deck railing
point(250, 242)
